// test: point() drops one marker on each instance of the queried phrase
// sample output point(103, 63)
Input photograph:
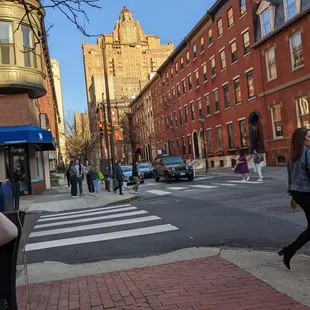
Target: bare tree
point(80, 142)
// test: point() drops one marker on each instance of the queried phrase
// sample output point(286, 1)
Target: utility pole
point(106, 136)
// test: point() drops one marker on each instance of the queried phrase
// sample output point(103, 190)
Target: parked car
point(127, 170)
point(172, 167)
point(147, 170)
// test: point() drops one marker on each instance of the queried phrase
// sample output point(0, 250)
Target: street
point(212, 212)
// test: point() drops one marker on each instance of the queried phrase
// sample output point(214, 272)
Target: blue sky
point(171, 20)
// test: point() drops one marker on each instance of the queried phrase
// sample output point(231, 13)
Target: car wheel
point(156, 177)
point(167, 177)
point(190, 178)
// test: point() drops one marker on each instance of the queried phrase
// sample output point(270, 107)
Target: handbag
point(100, 176)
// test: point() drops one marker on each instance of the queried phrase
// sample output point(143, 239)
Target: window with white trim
point(199, 108)
point(242, 7)
point(230, 134)
point(171, 72)
point(219, 139)
point(250, 82)
point(226, 96)
point(202, 44)
point(207, 103)
point(192, 111)
point(194, 48)
point(216, 101)
point(175, 118)
point(209, 140)
point(28, 47)
point(297, 56)
point(237, 90)
point(197, 78)
point(219, 27)
point(243, 133)
point(186, 114)
point(176, 69)
point(265, 21)
point(187, 58)
point(182, 63)
point(7, 48)
point(246, 42)
point(184, 87)
point(290, 8)
point(179, 91)
point(303, 112)
point(212, 64)
point(190, 83)
point(277, 121)
point(233, 50)
point(271, 64)
point(230, 17)
point(173, 94)
point(181, 117)
point(189, 142)
point(204, 73)
point(210, 37)
point(223, 59)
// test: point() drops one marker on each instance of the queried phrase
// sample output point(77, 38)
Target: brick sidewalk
point(211, 283)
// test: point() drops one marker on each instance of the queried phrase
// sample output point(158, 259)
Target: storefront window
point(39, 166)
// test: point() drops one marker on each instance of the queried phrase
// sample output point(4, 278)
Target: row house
point(213, 85)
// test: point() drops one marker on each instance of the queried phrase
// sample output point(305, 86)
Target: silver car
point(128, 178)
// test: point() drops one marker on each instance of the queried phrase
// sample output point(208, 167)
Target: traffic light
point(109, 129)
point(100, 129)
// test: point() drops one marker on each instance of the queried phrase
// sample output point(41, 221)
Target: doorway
point(256, 133)
point(196, 145)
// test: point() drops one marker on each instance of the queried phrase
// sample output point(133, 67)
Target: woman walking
point(73, 179)
point(88, 171)
point(242, 166)
point(95, 180)
point(298, 169)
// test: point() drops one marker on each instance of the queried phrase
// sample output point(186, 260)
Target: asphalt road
point(206, 212)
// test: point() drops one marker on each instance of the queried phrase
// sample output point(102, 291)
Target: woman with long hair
point(242, 166)
point(298, 169)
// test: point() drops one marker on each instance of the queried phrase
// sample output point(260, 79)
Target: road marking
point(100, 237)
point(93, 226)
point(158, 192)
point(84, 211)
point(245, 182)
point(224, 184)
point(204, 186)
point(190, 190)
point(147, 184)
point(99, 218)
point(87, 214)
point(176, 188)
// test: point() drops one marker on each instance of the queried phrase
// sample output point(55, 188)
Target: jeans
point(90, 184)
point(96, 186)
point(303, 200)
point(73, 181)
point(137, 183)
point(80, 181)
point(258, 168)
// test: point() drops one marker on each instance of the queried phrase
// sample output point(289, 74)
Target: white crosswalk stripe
point(88, 226)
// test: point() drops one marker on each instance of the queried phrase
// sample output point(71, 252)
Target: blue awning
point(27, 134)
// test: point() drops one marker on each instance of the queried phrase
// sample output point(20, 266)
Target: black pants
point(68, 180)
point(80, 181)
point(90, 184)
point(303, 200)
point(73, 181)
point(119, 185)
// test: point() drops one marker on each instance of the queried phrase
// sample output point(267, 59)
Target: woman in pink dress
point(242, 166)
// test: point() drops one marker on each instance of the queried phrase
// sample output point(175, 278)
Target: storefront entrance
point(17, 161)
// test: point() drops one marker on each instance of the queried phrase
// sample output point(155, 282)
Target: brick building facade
point(214, 84)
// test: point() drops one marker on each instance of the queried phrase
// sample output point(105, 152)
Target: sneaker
point(243, 180)
point(121, 194)
point(97, 196)
point(260, 180)
point(248, 178)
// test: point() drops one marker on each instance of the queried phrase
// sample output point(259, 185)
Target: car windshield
point(173, 160)
point(126, 169)
point(143, 166)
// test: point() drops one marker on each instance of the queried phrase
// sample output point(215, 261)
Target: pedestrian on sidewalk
point(258, 159)
point(94, 174)
point(80, 175)
point(298, 169)
point(89, 171)
point(73, 179)
point(68, 175)
point(119, 178)
point(242, 166)
point(136, 178)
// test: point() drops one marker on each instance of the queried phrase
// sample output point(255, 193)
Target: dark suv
point(172, 167)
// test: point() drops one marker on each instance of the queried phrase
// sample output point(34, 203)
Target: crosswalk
point(88, 226)
point(192, 187)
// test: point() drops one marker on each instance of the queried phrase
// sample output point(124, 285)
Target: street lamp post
point(202, 121)
point(150, 149)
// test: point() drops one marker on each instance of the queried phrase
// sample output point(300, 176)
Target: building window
point(176, 68)
point(169, 98)
point(202, 44)
point(207, 102)
point(173, 94)
point(183, 87)
point(246, 42)
point(199, 108)
point(190, 84)
point(290, 8)
point(192, 111)
point(189, 142)
point(242, 7)
point(226, 96)
point(219, 139)
point(265, 22)
point(187, 57)
point(216, 101)
point(28, 47)
point(195, 51)
point(243, 134)
point(186, 114)
point(179, 91)
point(183, 146)
point(7, 49)
point(277, 121)
point(230, 17)
point(237, 90)
point(170, 121)
point(233, 49)
point(171, 72)
point(230, 133)
point(250, 82)
point(167, 77)
point(209, 140)
point(303, 112)
point(182, 63)
point(204, 73)
point(223, 59)
point(210, 38)
point(212, 63)
point(197, 78)
point(296, 51)
point(175, 119)
point(181, 117)
point(271, 64)
point(219, 27)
